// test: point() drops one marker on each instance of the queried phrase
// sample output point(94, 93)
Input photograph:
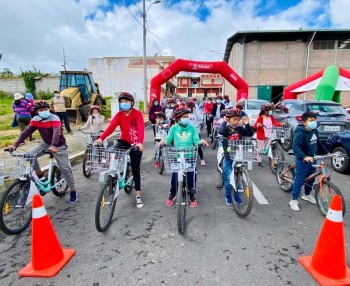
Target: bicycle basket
point(90, 138)
point(100, 159)
point(282, 132)
point(112, 140)
point(17, 166)
point(180, 159)
point(161, 132)
point(242, 150)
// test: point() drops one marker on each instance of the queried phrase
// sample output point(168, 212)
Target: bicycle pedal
point(219, 187)
point(42, 193)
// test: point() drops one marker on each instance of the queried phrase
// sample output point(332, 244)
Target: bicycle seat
point(291, 152)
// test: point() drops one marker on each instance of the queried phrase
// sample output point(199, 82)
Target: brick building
point(205, 85)
point(271, 60)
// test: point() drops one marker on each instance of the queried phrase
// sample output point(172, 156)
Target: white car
point(252, 108)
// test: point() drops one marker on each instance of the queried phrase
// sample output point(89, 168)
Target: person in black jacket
point(305, 145)
point(216, 110)
point(231, 130)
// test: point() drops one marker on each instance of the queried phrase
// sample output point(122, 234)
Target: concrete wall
point(17, 85)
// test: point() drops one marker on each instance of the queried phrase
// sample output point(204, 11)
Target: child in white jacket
point(95, 120)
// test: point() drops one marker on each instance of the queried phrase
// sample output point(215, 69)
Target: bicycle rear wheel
point(181, 207)
point(105, 205)
point(324, 198)
point(87, 164)
point(15, 215)
point(244, 204)
point(160, 161)
point(277, 156)
point(285, 176)
point(61, 189)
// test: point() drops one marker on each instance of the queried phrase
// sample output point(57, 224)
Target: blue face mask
point(155, 103)
point(270, 112)
point(125, 106)
point(44, 114)
point(312, 125)
point(218, 101)
point(184, 121)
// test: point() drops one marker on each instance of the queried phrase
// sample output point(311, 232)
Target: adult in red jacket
point(132, 133)
point(264, 125)
point(208, 106)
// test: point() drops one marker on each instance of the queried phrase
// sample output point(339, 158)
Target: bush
point(46, 95)
point(141, 104)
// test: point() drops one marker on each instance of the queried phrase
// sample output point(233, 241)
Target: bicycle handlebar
point(24, 155)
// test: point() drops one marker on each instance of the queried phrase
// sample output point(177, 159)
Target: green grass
point(6, 112)
point(107, 109)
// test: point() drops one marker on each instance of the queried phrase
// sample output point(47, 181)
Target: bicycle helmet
point(161, 114)
point(95, 107)
point(233, 112)
point(223, 112)
point(239, 106)
point(170, 100)
point(191, 103)
point(226, 97)
point(41, 104)
point(266, 107)
point(180, 111)
point(219, 97)
point(125, 95)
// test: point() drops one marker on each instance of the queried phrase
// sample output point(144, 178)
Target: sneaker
point(170, 201)
point(202, 162)
point(294, 205)
point(73, 197)
point(259, 165)
point(193, 202)
point(156, 164)
point(309, 198)
point(229, 201)
point(139, 203)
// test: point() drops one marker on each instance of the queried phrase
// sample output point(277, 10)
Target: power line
point(137, 7)
point(126, 7)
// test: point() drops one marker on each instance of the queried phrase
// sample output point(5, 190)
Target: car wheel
point(340, 164)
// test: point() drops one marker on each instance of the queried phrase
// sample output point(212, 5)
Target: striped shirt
point(23, 109)
point(50, 130)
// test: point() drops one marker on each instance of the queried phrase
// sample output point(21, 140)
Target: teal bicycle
point(15, 203)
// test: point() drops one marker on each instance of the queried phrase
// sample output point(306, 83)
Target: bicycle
point(161, 134)
point(214, 134)
point(242, 152)
point(15, 203)
point(324, 189)
point(115, 174)
point(272, 147)
point(180, 160)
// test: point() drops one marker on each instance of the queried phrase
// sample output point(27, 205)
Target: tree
point(6, 73)
point(29, 79)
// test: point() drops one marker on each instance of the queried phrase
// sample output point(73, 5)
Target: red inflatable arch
point(200, 67)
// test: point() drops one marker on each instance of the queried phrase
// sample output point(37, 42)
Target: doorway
point(277, 93)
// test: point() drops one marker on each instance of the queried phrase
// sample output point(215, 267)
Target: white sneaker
point(202, 162)
point(294, 205)
point(139, 203)
point(309, 198)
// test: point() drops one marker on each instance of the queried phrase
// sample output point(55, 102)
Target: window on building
point(218, 81)
point(184, 81)
point(323, 45)
point(344, 44)
point(206, 81)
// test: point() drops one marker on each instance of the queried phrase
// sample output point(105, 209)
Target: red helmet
point(170, 100)
point(95, 107)
point(266, 107)
point(223, 112)
point(191, 103)
point(233, 112)
point(239, 106)
point(180, 111)
point(125, 95)
point(41, 104)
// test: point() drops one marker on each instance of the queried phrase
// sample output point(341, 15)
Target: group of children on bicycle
point(184, 123)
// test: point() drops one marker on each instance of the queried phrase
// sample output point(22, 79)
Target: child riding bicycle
point(50, 129)
point(305, 145)
point(183, 134)
point(231, 130)
point(95, 120)
point(161, 129)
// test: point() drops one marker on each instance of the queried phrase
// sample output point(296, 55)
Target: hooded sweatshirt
point(183, 135)
point(306, 142)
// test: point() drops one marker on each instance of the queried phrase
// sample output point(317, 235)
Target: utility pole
point(145, 105)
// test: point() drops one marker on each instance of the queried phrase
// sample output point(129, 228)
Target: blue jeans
point(302, 171)
point(191, 183)
point(227, 170)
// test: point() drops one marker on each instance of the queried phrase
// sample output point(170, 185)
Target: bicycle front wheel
point(324, 197)
point(15, 215)
point(87, 163)
point(128, 187)
point(243, 196)
point(56, 177)
point(181, 207)
point(160, 162)
point(105, 205)
point(285, 176)
point(277, 156)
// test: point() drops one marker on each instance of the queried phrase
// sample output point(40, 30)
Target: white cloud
point(34, 32)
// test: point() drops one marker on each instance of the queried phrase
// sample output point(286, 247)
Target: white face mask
point(57, 94)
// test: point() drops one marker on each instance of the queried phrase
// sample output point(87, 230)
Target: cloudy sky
point(34, 32)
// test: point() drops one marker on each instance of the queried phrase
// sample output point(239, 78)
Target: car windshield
point(326, 110)
point(255, 104)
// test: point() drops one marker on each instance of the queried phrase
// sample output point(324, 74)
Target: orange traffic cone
point(48, 257)
point(327, 265)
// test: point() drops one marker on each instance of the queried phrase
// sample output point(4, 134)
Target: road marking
point(259, 196)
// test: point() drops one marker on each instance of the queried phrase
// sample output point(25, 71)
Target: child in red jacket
point(263, 125)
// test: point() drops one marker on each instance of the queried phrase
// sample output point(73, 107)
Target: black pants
point(135, 160)
point(64, 117)
point(209, 122)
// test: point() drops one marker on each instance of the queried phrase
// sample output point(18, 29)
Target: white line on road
point(259, 196)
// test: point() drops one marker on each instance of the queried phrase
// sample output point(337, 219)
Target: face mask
point(44, 114)
point(270, 112)
point(57, 94)
point(172, 105)
point(184, 121)
point(162, 121)
point(125, 106)
point(155, 103)
point(218, 101)
point(224, 101)
point(312, 125)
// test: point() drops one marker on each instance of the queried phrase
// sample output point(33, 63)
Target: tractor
point(79, 92)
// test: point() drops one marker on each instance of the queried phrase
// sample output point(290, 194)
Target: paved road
point(142, 246)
